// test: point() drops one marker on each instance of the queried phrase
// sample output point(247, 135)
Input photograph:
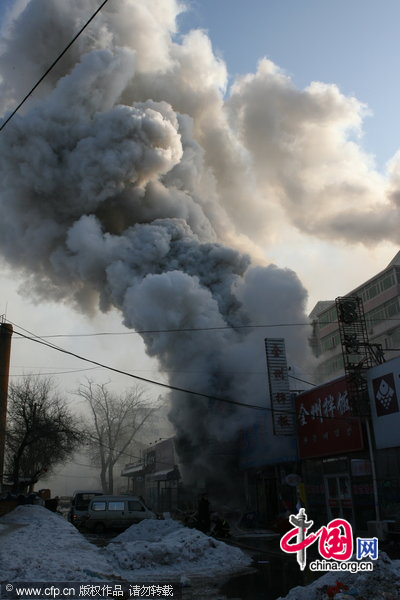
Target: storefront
point(384, 393)
point(134, 473)
point(162, 489)
point(336, 464)
point(266, 460)
point(162, 476)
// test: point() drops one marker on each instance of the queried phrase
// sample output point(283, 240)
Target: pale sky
point(353, 45)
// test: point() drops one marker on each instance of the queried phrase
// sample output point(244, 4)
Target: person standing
point(203, 514)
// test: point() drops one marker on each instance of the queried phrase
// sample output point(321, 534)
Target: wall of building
point(381, 300)
point(156, 477)
point(354, 500)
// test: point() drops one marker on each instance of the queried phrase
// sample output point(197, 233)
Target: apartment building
point(381, 300)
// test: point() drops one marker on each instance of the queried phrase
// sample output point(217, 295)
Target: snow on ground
point(150, 530)
point(383, 583)
point(48, 548)
point(43, 546)
point(167, 548)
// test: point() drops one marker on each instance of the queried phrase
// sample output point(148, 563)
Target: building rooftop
point(323, 305)
point(320, 307)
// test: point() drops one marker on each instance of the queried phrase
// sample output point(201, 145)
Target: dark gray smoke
point(121, 181)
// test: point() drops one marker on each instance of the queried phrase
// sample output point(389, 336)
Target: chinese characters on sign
point(325, 422)
point(281, 399)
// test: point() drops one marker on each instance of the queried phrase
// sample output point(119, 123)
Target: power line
point(175, 388)
point(175, 371)
point(302, 380)
point(53, 64)
point(139, 458)
point(179, 389)
point(152, 371)
point(180, 330)
point(192, 329)
point(34, 335)
point(53, 373)
point(144, 379)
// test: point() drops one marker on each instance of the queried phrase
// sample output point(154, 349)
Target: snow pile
point(43, 546)
point(47, 548)
point(168, 548)
point(383, 583)
point(150, 530)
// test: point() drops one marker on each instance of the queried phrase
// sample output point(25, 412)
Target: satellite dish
point(293, 479)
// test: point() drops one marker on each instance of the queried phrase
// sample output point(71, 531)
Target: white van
point(116, 512)
point(78, 511)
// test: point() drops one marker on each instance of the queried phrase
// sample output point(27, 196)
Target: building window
point(327, 317)
point(392, 307)
point(330, 366)
point(378, 286)
point(330, 342)
point(387, 281)
point(384, 312)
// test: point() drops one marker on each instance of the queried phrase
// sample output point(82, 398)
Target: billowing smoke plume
point(128, 181)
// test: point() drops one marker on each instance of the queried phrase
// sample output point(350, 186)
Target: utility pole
point(6, 332)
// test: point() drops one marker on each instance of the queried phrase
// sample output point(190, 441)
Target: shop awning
point(166, 475)
point(131, 470)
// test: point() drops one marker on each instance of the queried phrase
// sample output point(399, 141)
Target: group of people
point(211, 523)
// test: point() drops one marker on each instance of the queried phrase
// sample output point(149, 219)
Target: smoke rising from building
point(129, 181)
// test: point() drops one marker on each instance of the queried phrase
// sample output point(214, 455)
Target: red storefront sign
point(325, 424)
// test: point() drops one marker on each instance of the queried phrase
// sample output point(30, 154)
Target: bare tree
point(115, 422)
point(41, 431)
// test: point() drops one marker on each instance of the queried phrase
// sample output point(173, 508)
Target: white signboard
point(384, 395)
point(283, 412)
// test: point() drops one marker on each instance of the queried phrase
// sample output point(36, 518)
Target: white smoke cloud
point(305, 159)
point(131, 179)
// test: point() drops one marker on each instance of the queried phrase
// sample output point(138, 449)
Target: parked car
point(116, 512)
point(79, 506)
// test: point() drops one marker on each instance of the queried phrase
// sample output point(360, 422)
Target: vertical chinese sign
point(326, 425)
point(283, 414)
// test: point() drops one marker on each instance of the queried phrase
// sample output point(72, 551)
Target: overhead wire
point(53, 372)
point(53, 64)
point(172, 387)
point(144, 379)
point(191, 329)
point(139, 458)
point(67, 371)
point(177, 330)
